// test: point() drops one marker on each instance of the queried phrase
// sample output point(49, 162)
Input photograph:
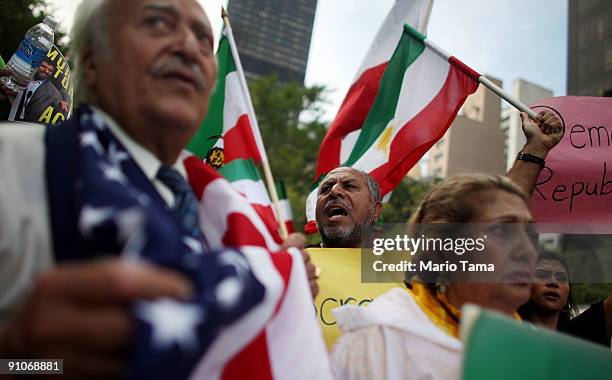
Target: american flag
point(252, 314)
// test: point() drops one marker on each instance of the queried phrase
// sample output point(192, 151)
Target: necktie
point(185, 203)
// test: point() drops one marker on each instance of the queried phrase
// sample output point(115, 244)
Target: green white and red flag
point(420, 93)
point(346, 127)
point(285, 206)
point(229, 140)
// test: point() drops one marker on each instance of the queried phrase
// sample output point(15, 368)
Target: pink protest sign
point(576, 185)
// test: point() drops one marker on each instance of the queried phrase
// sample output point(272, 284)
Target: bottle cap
point(50, 21)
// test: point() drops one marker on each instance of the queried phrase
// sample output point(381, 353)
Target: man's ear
point(377, 211)
point(90, 68)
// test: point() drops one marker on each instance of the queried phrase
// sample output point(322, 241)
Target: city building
point(273, 36)
point(589, 68)
point(474, 142)
point(527, 93)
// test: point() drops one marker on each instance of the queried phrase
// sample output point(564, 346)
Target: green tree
point(292, 145)
point(405, 199)
point(585, 294)
point(16, 18)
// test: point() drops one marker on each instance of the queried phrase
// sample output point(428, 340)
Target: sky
point(506, 39)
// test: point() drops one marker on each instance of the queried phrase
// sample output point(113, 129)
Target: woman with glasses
point(551, 304)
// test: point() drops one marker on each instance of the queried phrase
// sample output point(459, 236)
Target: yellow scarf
point(438, 309)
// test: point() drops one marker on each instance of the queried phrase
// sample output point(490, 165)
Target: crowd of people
point(144, 72)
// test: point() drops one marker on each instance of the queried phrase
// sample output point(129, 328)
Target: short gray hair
point(90, 29)
point(373, 186)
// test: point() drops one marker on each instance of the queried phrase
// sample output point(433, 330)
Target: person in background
point(348, 201)
point(42, 93)
point(6, 95)
point(551, 304)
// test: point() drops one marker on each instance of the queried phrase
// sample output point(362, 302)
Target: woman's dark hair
point(569, 311)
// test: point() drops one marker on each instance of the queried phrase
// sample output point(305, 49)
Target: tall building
point(527, 93)
point(273, 36)
point(589, 69)
point(474, 142)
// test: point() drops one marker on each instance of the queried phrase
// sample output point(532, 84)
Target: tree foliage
point(292, 145)
point(405, 199)
point(16, 18)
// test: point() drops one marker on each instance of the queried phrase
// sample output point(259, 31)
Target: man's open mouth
point(336, 211)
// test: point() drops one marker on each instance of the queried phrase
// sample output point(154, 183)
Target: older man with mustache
point(112, 181)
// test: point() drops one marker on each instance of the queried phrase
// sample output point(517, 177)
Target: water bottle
point(30, 54)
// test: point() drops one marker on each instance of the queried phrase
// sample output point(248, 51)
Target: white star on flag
point(113, 173)
point(131, 230)
point(228, 291)
point(91, 216)
point(98, 120)
point(91, 139)
point(115, 156)
point(172, 322)
point(194, 245)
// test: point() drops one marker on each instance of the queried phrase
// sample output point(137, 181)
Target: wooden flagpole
point(251, 111)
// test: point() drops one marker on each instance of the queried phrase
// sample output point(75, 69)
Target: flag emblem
point(215, 157)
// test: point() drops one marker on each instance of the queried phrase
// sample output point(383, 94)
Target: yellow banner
point(340, 284)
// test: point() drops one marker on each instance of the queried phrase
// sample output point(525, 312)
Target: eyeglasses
point(543, 275)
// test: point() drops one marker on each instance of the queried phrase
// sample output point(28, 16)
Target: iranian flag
point(229, 139)
point(346, 127)
point(344, 130)
point(244, 178)
point(285, 206)
point(419, 95)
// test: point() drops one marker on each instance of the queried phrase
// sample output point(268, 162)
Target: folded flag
point(248, 298)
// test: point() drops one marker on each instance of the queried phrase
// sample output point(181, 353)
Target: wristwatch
point(531, 158)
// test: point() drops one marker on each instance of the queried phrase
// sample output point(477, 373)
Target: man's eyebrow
point(161, 7)
point(203, 25)
point(327, 182)
point(511, 219)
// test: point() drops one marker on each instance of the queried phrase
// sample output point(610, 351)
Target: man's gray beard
point(343, 236)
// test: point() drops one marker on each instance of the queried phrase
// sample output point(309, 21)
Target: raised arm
point(542, 135)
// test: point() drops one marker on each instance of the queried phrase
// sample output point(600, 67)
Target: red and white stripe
point(264, 344)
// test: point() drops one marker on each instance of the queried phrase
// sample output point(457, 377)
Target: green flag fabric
point(497, 347)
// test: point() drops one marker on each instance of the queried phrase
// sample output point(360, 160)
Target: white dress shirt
point(146, 160)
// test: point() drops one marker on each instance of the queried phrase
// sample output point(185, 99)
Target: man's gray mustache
point(175, 64)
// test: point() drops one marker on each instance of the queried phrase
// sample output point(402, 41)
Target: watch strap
point(531, 158)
